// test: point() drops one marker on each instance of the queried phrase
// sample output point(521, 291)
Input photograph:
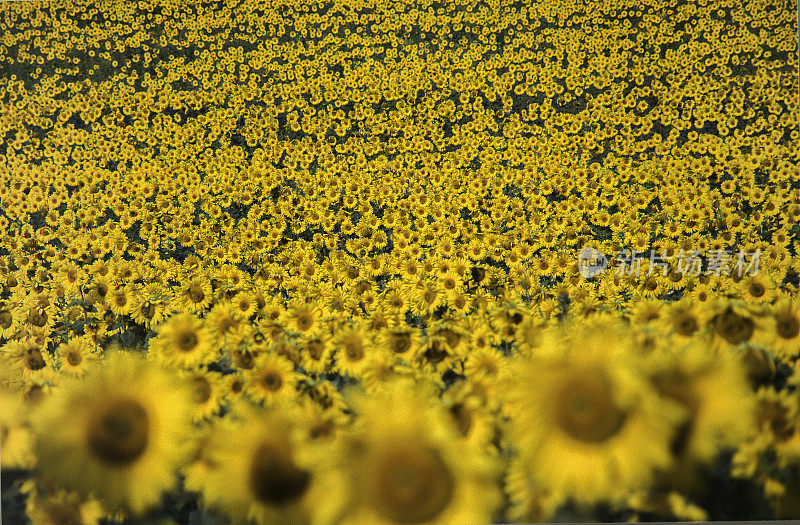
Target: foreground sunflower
point(118, 435)
point(411, 467)
point(585, 421)
point(258, 467)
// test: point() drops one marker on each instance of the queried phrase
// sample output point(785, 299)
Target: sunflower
point(583, 418)
point(98, 289)
point(733, 324)
point(9, 320)
point(316, 351)
point(76, 355)
point(786, 327)
point(72, 276)
point(244, 305)
point(351, 345)
point(411, 467)
point(119, 300)
point(206, 389)
point(260, 468)
point(233, 386)
point(118, 435)
point(683, 320)
point(16, 439)
point(272, 379)
point(149, 307)
point(757, 288)
point(184, 341)
point(31, 360)
point(399, 340)
point(222, 321)
point(302, 317)
point(715, 394)
point(196, 294)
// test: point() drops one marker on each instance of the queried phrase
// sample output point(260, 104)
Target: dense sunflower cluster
point(318, 262)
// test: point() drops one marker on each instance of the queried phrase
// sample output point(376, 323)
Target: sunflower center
point(34, 360)
point(275, 478)
point(196, 295)
point(411, 484)
point(401, 342)
point(686, 325)
point(787, 326)
point(733, 327)
point(121, 299)
point(202, 390)
point(353, 351)
point(120, 433)
point(5, 319)
point(757, 290)
point(272, 381)
point(303, 322)
point(187, 341)
point(585, 408)
point(74, 358)
point(315, 349)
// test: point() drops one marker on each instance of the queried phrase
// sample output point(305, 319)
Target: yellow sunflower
point(31, 360)
point(196, 294)
point(411, 467)
point(715, 394)
point(184, 341)
point(272, 379)
point(206, 389)
point(119, 434)
point(76, 355)
point(585, 420)
point(222, 321)
point(316, 350)
point(786, 328)
point(302, 317)
point(351, 345)
point(261, 469)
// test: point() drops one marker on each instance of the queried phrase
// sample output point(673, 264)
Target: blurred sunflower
point(222, 321)
point(351, 345)
point(260, 468)
point(272, 379)
point(16, 439)
point(786, 328)
point(411, 467)
point(715, 395)
point(683, 320)
point(206, 389)
point(118, 435)
point(184, 341)
point(585, 420)
point(399, 340)
point(316, 351)
point(302, 317)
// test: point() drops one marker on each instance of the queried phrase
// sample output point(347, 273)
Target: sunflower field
point(414, 262)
